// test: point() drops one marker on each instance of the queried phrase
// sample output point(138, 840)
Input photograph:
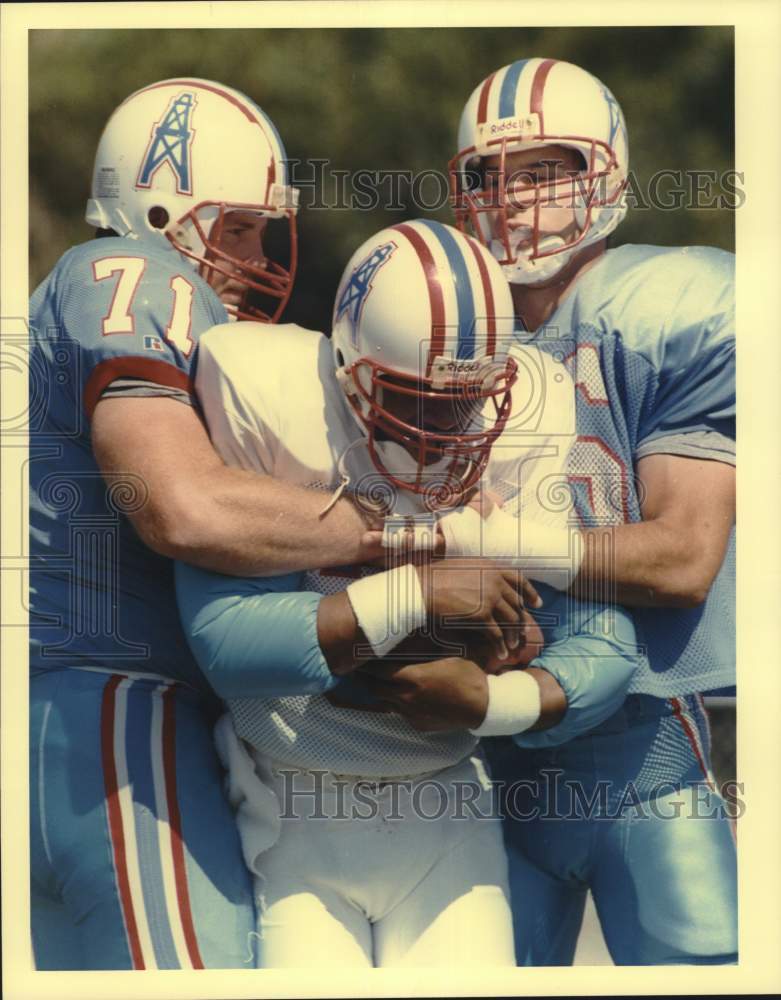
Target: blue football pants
point(629, 812)
point(135, 856)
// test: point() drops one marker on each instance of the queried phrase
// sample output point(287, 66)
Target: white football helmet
point(174, 158)
point(533, 103)
point(422, 322)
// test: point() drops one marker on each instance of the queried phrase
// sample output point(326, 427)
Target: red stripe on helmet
point(435, 297)
point(482, 107)
point(247, 112)
point(488, 292)
point(538, 86)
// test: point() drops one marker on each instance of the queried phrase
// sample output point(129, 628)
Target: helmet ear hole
point(339, 358)
point(158, 217)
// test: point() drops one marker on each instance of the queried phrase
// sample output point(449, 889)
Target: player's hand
point(371, 550)
point(529, 648)
point(375, 552)
point(433, 697)
point(481, 499)
point(475, 594)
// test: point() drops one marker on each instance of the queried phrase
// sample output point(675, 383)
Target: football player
point(647, 334)
point(349, 814)
point(135, 856)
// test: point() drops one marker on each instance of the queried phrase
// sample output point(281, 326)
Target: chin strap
point(345, 477)
point(527, 271)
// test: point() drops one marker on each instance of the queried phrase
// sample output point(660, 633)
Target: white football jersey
point(272, 405)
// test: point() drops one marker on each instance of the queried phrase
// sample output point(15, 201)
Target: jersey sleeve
point(592, 652)
point(253, 637)
point(239, 395)
point(694, 444)
point(141, 388)
point(693, 354)
point(134, 316)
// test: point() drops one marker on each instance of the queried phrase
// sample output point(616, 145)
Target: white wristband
point(389, 606)
point(549, 553)
point(513, 704)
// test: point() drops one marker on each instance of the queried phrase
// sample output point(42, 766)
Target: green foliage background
point(377, 99)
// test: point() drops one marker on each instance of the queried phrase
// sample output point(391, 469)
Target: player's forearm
point(519, 701)
point(198, 510)
point(371, 617)
point(646, 564)
point(243, 524)
point(658, 562)
point(553, 700)
point(345, 646)
point(253, 637)
point(339, 635)
point(671, 557)
point(590, 672)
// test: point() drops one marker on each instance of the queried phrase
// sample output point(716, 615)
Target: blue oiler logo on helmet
point(359, 285)
point(170, 144)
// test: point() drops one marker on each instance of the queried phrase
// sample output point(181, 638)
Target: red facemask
point(477, 211)
point(461, 403)
point(271, 281)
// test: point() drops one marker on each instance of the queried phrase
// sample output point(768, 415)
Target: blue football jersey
point(648, 335)
point(112, 309)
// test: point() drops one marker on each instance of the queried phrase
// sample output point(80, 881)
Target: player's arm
point(672, 556)
point(669, 559)
point(592, 657)
point(253, 637)
point(455, 692)
point(201, 511)
point(579, 679)
point(136, 323)
point(264, 636)
point(684, 456)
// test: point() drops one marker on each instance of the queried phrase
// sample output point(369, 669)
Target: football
point(444, 641)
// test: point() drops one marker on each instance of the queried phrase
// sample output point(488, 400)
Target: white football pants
point(371, 874)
